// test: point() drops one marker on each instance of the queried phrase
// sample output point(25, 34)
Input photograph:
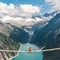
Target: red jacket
point(30, 49)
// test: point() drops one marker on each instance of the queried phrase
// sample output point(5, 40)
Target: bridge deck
point(32, 51)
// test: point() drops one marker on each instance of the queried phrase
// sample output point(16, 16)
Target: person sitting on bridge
point(30, 49)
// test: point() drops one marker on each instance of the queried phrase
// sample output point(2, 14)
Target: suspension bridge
point(46, 50)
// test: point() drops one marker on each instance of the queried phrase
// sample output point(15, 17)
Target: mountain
point(19, 35)
point(7, 43)
point(49, 36)
point(22, 33)
point(38, 30)
point(5, 29)
point(51, 14)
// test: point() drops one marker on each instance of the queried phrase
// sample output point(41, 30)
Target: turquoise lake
point(27, 55)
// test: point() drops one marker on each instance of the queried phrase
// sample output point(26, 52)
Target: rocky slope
point(7, 43)
point(49, 36)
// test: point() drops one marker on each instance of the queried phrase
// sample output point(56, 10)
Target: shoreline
point(16, 54)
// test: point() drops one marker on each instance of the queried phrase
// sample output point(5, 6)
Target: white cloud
point(18, 15)
point(29, 9)
point(24, 10)
point(19, 21)
point(55, 3)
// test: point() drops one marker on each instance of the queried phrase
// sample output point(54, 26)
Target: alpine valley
point(38, 30)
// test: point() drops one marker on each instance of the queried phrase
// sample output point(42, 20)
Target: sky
point(46, 5)
point(15, 11)
point(40, 3)
point(33, 2)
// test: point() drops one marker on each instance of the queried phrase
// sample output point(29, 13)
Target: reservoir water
point(27, 55)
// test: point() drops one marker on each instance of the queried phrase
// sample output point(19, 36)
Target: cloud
point(18, 15)
point(19, 21)
point(24, 10)
point(55, 4)
point(29, 9)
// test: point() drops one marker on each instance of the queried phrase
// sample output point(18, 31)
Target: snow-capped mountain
point(49, 36)
point(29, 29)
